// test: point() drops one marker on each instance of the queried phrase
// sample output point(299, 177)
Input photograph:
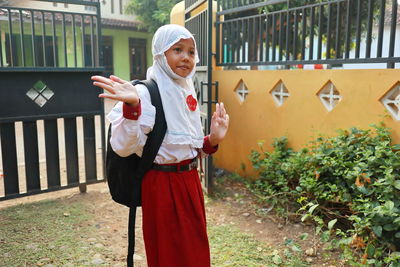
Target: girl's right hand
point(117, 89)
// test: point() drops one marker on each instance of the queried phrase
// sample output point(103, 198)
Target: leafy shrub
point(351, 181)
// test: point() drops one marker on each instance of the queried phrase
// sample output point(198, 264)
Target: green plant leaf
point(397, 184)
point(389, 205)
point(277, 259)
point(312, 208)
point(331, 223)
point(304, 217)
point(377, 230)
point(396, 147)
point(370, 250)
point(303, 236)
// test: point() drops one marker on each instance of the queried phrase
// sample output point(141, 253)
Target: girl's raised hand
point(117, 89)
point(219, 124)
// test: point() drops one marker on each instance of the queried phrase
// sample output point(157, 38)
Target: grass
point(47, 232)
point(59, 233)
point(231, 247)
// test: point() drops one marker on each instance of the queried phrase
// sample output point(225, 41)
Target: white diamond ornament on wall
point(280, 93)
point(391, 101)
point(329, 96)
point(40, 93)
point(241, 91)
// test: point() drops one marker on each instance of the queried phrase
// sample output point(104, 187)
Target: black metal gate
point(200, 25)
point(51, 120)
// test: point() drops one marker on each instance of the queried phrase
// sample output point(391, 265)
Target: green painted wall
point(120, 46)
point(121, 49)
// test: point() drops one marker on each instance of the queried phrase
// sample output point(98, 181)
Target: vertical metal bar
point(71, 150)
point(210, 169)
point(1, 50)
point(267, 38)
point(312, 22)
point(260, 41)
point(33, 38)
point(288, 33)
point(348, 30)
point(381, 28)
point(280, 35)
point(303, 34)
point(329, 33)
point(319, 55)
point(228, 42)
point(392, 33)
point(21, 35)
point(64, 41)
point(338, 26)
point(295, 33)
point(99, 36)
point(237, 42)
point(223, 48)
point(89, 148)
point(11, 38)
point(92, 39)
point(31, 153)
point(44, 39)
point(10, 162)
point(83, 41)
point(273, 37)
point(53, 21)
point(218, 36)
point(243, 41)
point(369, 29)
point(254, 48)
point(74, 38)
point(358, 30)
point(52, 153)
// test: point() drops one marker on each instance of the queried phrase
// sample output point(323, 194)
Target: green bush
point(351, 181)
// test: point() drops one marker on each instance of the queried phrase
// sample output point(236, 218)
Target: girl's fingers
point(103, 80)
point(223, 111)
point(109, 96)
point(217, 109)
point(105, 87)
point(117, 79)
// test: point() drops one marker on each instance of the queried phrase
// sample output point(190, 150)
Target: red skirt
point(174, 220)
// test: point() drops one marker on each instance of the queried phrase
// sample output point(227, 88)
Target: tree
point(152, 13)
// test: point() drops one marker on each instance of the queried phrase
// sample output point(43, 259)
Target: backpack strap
point(156, 136)
point(150, 150)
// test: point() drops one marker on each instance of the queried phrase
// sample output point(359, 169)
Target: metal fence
point(51, 117)
point(198, 26)
point(279, 32)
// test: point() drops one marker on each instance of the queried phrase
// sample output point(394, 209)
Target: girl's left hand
point(219, 124)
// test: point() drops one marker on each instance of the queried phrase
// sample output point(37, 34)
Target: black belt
point(177, 167)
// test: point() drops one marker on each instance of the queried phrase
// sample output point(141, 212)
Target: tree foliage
point(152, 13)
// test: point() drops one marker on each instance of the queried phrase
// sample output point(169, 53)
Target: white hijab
point(183, 125)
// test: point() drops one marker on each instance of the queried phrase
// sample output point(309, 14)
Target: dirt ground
point(236, 207)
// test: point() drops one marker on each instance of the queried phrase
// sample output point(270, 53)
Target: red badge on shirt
point(191, 102)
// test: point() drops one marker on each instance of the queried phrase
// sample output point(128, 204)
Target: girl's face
point(181, 57)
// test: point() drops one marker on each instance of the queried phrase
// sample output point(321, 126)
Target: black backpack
point(124, 174)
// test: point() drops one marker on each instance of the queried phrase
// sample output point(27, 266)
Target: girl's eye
point(177, 49)
point(191, 53)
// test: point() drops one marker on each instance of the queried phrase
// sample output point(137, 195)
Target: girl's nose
point(185, 56)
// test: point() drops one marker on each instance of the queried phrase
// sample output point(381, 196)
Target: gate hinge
point(202, 84)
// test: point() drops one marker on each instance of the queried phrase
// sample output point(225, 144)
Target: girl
point(174, 221)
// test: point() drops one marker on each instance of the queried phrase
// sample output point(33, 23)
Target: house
point(126, 45)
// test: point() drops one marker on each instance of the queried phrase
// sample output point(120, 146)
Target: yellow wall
point(302, 117)
point(177, 14)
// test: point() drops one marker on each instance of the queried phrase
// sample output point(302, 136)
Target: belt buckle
point(192, 165)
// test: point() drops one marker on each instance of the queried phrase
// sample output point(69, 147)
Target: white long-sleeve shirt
point(130, 127)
